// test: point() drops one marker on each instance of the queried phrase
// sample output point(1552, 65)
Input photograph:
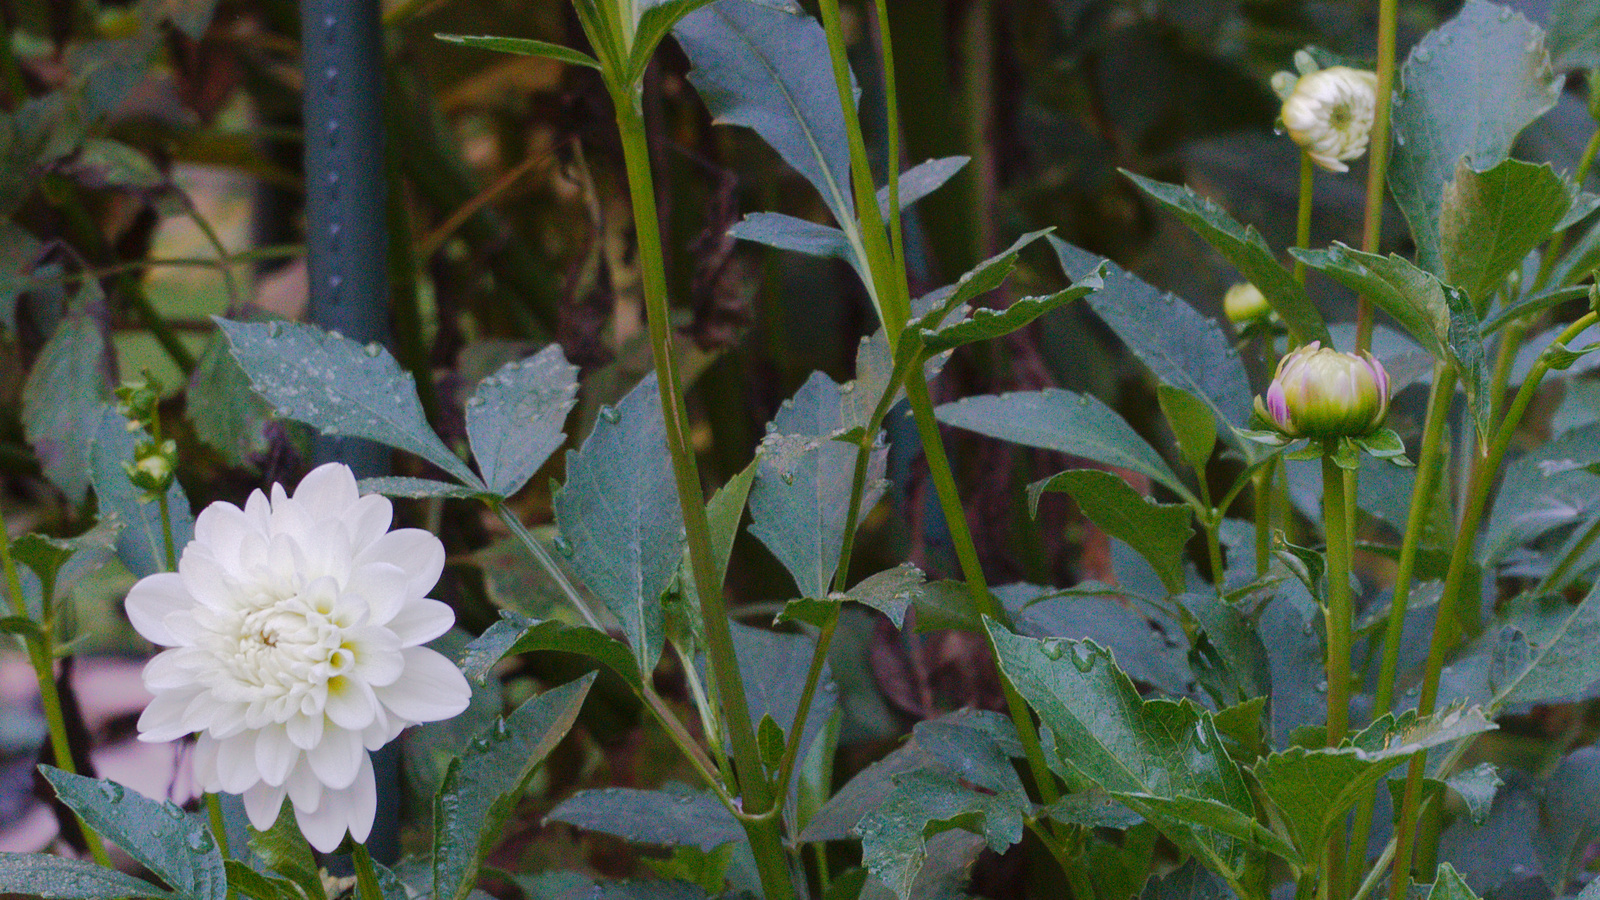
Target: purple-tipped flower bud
point(1319, 392)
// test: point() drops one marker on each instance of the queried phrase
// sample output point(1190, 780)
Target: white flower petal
point(383, 585)
point(205, 579)
point(304, 731)
point(263, 803)
point(222, 528)
point(236, 769)
point(378, 657)
point(430, 689)
point(152, 600)
point(419, 554)
point(367, 520)
point(337, 757)
point(205, 763)
point(327, 491)
point(352, 809)
point(305, 791)
point(351, 704)
point(421, 621)
point(275, 755)
point(162, 720)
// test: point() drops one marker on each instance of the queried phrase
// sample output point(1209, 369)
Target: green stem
point(546, 562)
point(1261, 492)
point(891, 132)
point(967, 553)
point(1340, 604)
point(1302, 226)
point(367, 887)
point(41, 657)
point(759, 798)
point(1428, 471)
point(219, 830)
point(1211, 524)
point(1445, 628)
point(1553, 249)
point(1377, 155)
point(1556, 579)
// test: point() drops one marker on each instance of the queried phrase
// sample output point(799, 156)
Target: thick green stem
point(1261, 492)
point(1340, 604)
point(758, 796)
point(219, 831)
point(1445, 628)
point(1377, 155)
point(1428, 472)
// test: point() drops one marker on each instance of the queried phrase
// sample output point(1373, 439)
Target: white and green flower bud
point(1244, 303)
point(152, 467)
point(1329, 114)
point(1318, 392)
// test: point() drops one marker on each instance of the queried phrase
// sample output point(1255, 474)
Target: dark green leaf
point(1448, 885)
point(773, 668)
point(724, 512)
point(619, 514)
point(891, 591)
point(1182, 347)
point(1490, 220)
point(225, 410)
point(174, 845)
point(340, 387)
point(1130, 747)
point(1244, 247)
point(1544, 649)
point(665, 818)
point(481, 789)
point(61, 401)
point(141, 544)
point(767, 69)
point(515, 633)
point(986, 324)
point(1110, 621)
point(250, 883)
point(1440, 317)
point(1437, 122)
point(985, 277)
point(1231, 663)
point(801, 498)
point(894, 838)
point(921, 180)
point(1573, 34)
point(1092, 810)
point(656, 19)
point(57, 878)
point(1054, 419)
point(1192, 423)
point(1158, 531)
point(1476, 787)
point(524, 47)
point(515, 417)
point(789, 233)
point(20, 625)
point(1314, 789)
point(284, 850)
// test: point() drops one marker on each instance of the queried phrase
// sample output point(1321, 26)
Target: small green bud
point(1318, 392)
point(1244, 303)
point(152, 467)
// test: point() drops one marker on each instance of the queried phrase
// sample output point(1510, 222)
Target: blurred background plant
point(152, 179)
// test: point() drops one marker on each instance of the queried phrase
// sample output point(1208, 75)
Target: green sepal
point(1344, 454)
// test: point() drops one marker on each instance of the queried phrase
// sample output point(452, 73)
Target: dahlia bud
point(152, 465)
point(1329, 114)
point(1244, 303)
point(1321, 393)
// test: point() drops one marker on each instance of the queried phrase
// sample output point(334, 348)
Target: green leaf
point(724, 512)
point(174, 845)
point(800, 501)
point(1224, 819)
point(1439, 316)
point(984, 277)
point(1544, 649)
point(1314, 789)
point(921, 180)
point(891, 591)
point(1158, 531)
point(773, 668)
point(1244, 247)
point(1573, 34)
point(1476, 787)
point(670, 818)
point(22, 625)
point(1449, 885)
point(1468, 89)
point(250, 883)
point(1110, 621)
point(1131, 748)
point(786, 232)
point(60, 563)
point(481, 788)
point(140, 545)
point(61, 401)
point(1192, 423)
point(1231, 663)
point(1490, 220)
point(415, 488)
point(1053, 419)
point(1182, 347)
point(564, 885)
point(224, 409)
point(619, 513)
point(894, 838)
point(986, 324)
point(767, 68)
point(524, 47)
point(515, 633)
point(656, 19)
point(337, 385)
point(515, 417)
point(1092, 810)
point(58, 878)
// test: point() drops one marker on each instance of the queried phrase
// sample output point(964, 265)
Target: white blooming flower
point(1329, 114)
point(295, 630)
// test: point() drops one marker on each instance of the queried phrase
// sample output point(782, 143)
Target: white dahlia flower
point(294, 630)
point(1329, 114)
